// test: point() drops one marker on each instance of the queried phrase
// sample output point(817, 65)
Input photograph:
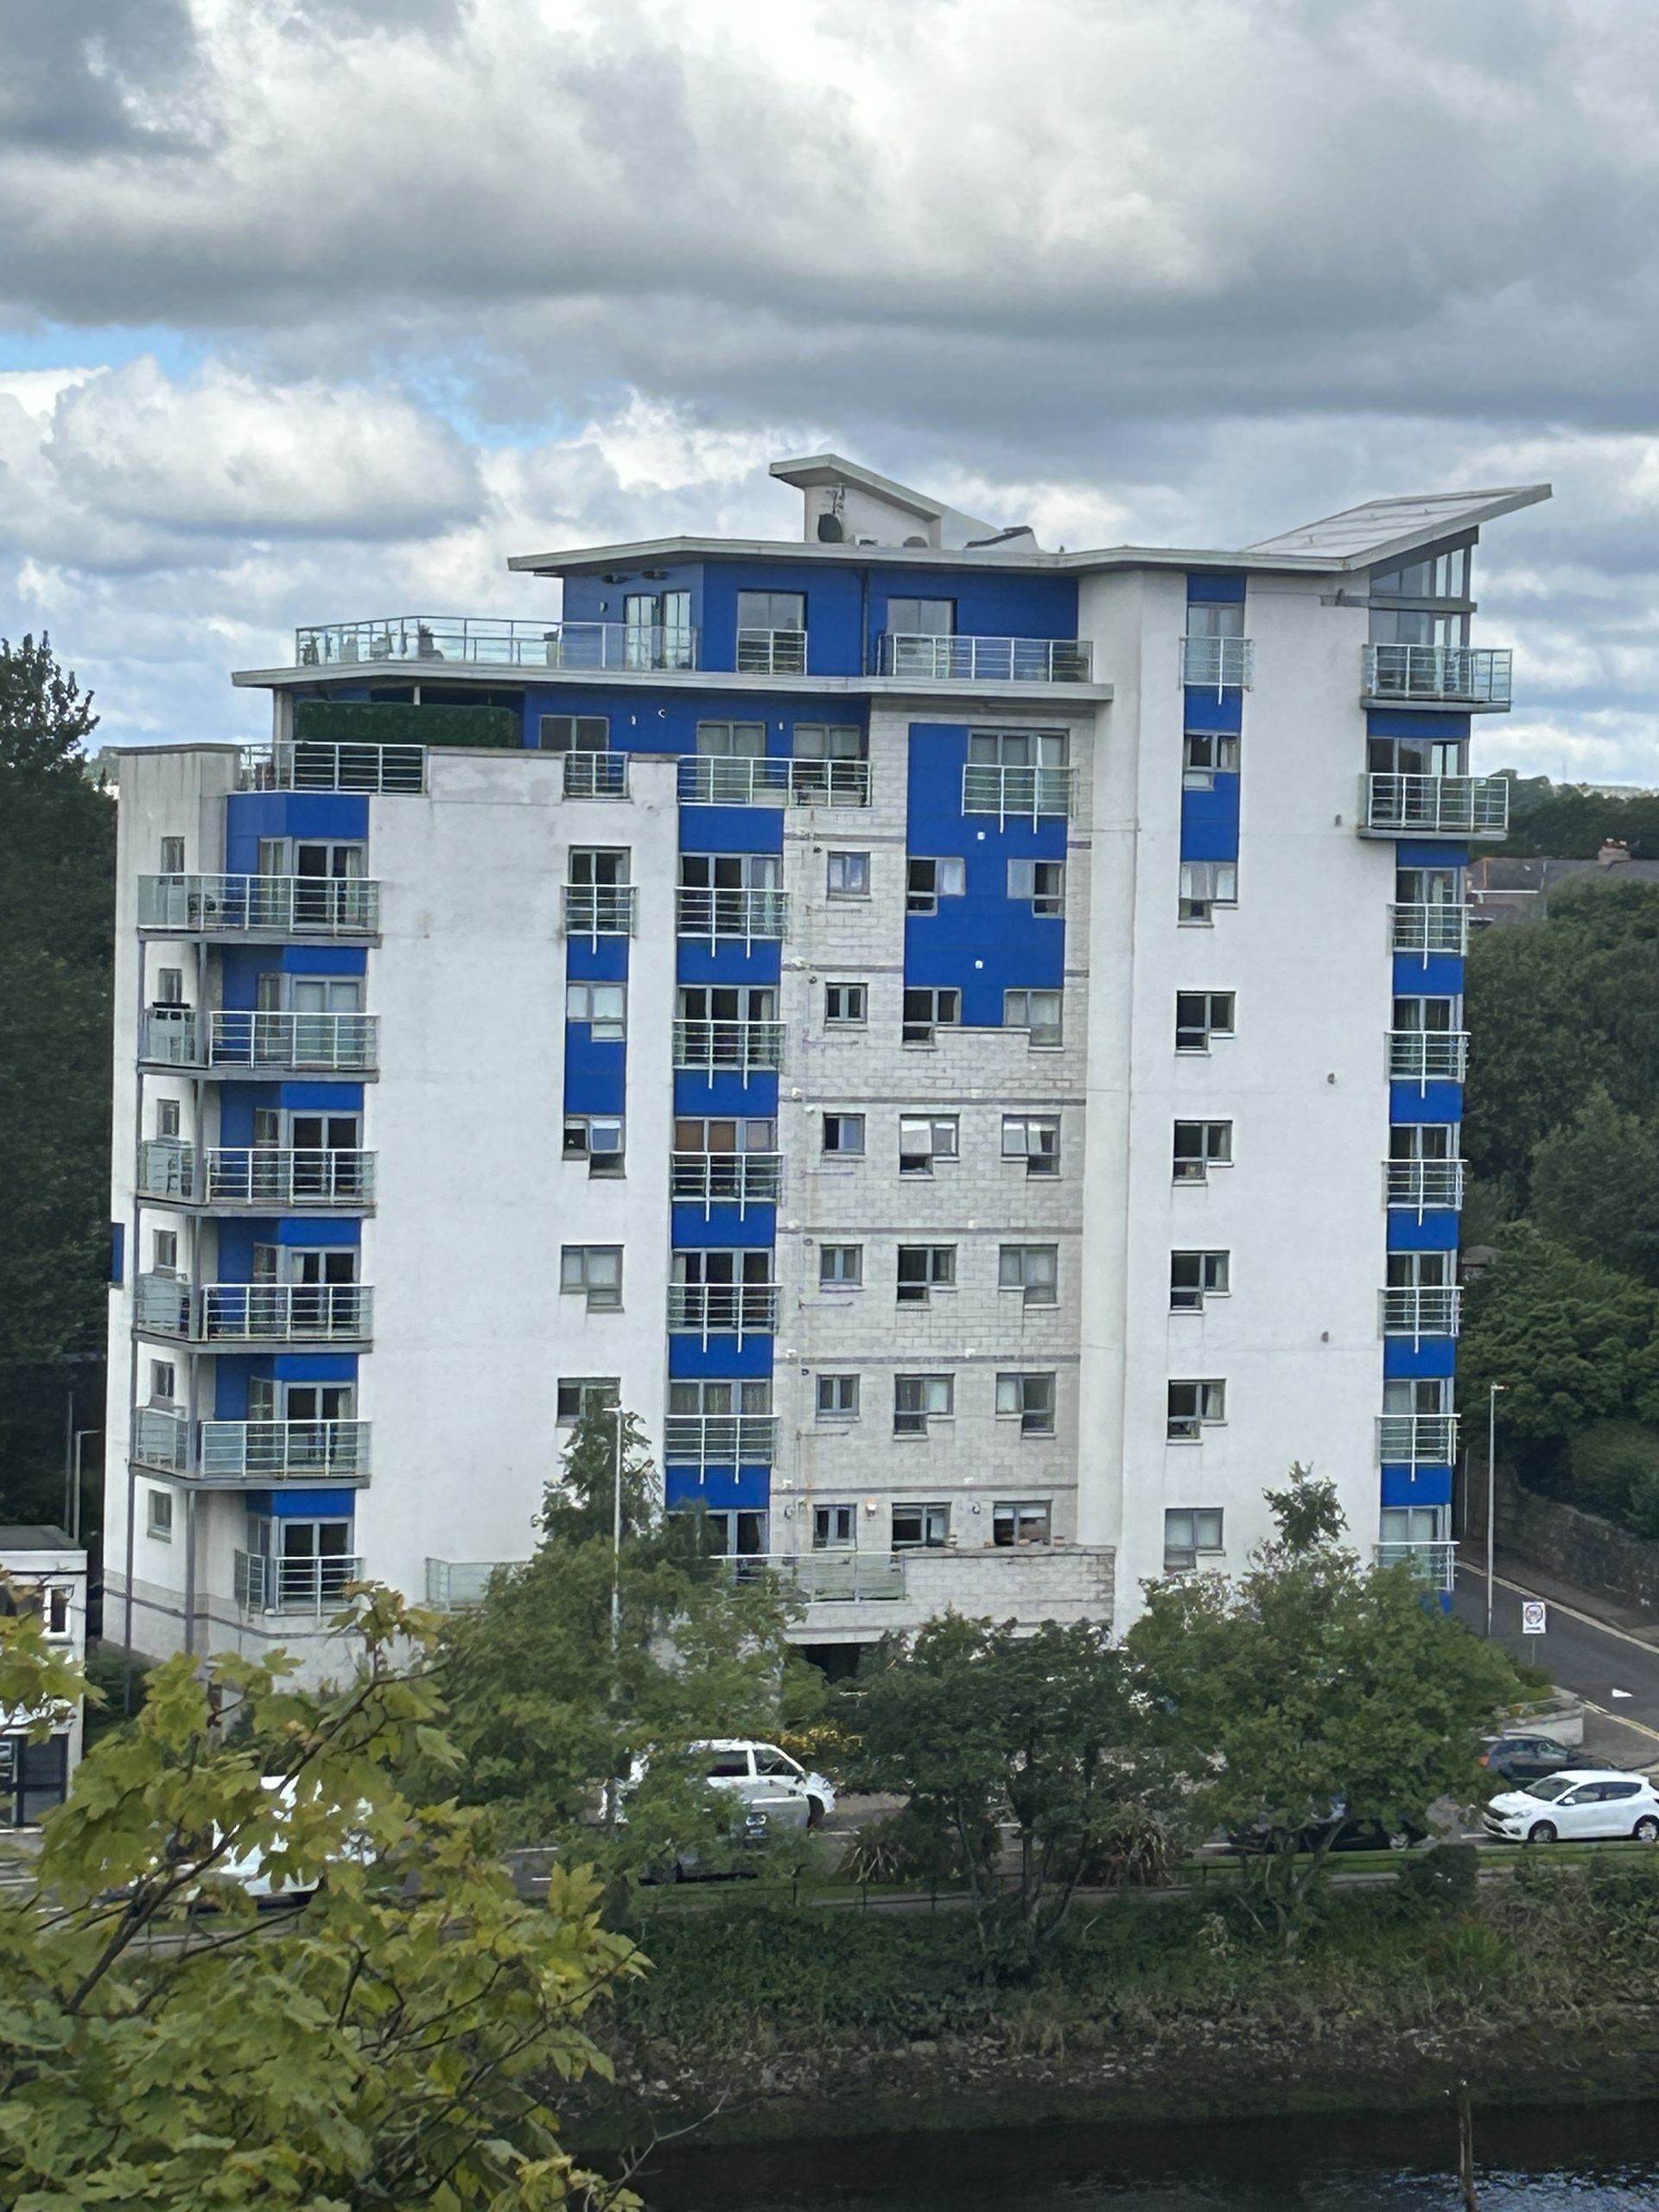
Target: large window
point(733, 741)
point(922, 618)
point(1016, 1522)
point(771, 610)
point(574, 733)
point(927, 881)
point(1190, 1532)
point(1194, 1407)
point(1032, 1269)
point(1201, 1015)
point(1039, 1012)
point(1034, 1138)
point(920, 1528)
point(1196, 1276)
point(924, 1268)
point(924, 1011)
point(1199, 1146)
point(918, 1399)
point(1207, 885)
point(1028, 1399)
point(923, 1140)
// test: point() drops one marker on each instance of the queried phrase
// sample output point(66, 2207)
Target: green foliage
point(911, 1846)
point(1614, 1469)
point(1569, 1339)
point(1443, 1880)
point(392, 2045)
point(1570, 823)
point(363, 721)
point(1595, 1187)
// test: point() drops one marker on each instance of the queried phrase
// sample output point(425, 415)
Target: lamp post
point(1492, 1490)
point(616, 1532)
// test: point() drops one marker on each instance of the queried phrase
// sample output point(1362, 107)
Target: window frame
point(1208, 1408)
point(914, 1420)
point(843, 1126)
point(1194, 1167)
point(1199, 774)
point(598, 1296)
point(1212, 1028)
point(158, 1514)
point(1035, 1419)
point(854, 1281)
point(584, 1386)
point(1050, 903)
point(601, 722)
point(837, 1382)
point(1042, 1161)
point(938, 1272)
point(602, 1159)
point(844, 860)
point(825, 1537)
point(602, 1029)
point(934, 1123)
point(172, 856)
point(923, 899)
point(833, 1019)
point(1205, 884)
point(933, 1525)
point(1182, 1557)
point(1022, 1252)
point(1043, 1036)
point(1190, 1298)
point(916, 1027)
point(1016, 1512)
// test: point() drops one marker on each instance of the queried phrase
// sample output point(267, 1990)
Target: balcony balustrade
point(263, 1452)
point(496, 642)
point(992, 787)
point(292, 1586)
point(595, 775)
point(928, 659)
point(1417, 1439)
point(742, 1047)
point(1421, 1310)
point(249, 1178)
point(453, 1584)
point(842, 1577)
point(173, 1036)
point(1423, 1186)
point(749, 915)
point(259, 906)
point(708, 1309)
point(160, 1439)
point(1428, 1055)
point(1474, 677)
point(316, 764)
point(724, 1179)
point(771, 652)
point(255, 1313)
point(770, 779)
point(1218, 663)
point(1426, 929)
point(719, 1439)
point(1433, 1565)
point(1434, 806)
point(599, 909)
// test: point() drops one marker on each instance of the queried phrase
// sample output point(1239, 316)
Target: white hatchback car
point(762, 1773)
point(1579, 1803)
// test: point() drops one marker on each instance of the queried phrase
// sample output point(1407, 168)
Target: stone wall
point(1580, 1546)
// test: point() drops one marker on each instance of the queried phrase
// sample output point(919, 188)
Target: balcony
point(1473, 679)
point(930, 659)
point(1423, 1186)
point(1434, 806)
point(727, 1179)
point(771, 652)
point(991, 787)
point(707, 1309)
point(1428, 1055)
point(292, 1586)
point(495, 642)
point(599, 909)
point(595, 775)
point(1416, 1440)
point(719, 1439)
point(1421, 1310)
point(769, 779)
point(1218, 663)
point(257, 1312)
point(1433, 1565)
point(846, 1577)
point(160, 1439)
point(1426, 929)
point(723, 1047)
point(315, 764)
point(259, 906)
point(234, 1179)
point(263, 1451)
point(452, 1584)
point(747, 915)
point(267, 1043)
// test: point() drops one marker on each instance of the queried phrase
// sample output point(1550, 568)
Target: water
point(1568, 2161)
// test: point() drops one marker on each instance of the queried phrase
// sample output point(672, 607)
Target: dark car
point(1526, 1759)
point(1351, 1832)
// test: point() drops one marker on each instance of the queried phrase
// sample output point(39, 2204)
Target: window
point(1030, 1400)
point(711, 1134)
point(594, 1271)
point(158, 1515)
point(1423, 1140)
point(57, 1612)
point(162, 1381)
point(167, 1117)
point(1193, 1406)
point(1188, 1531)
point(849, 875)
point(922, 618)
point(596, 1138)
point(840, 1266)
point(1019, 748)
point(1200, 1015)
point(1020, 1521)
point(606, 865)
point(834, 1527)
point(1419, 1394)
point(1200, 1146)
point(603, 1006)
point(1207, 885)
point(727, 1003)
point(917, 1399)
point(1043, 882)
point(838, 1397)
point(1034, 1138)
point(1426, 1017)
point(1416, 756)
point(927, 881)
point(574, 733)
point(1205, 755)
point(733, 741)
point(1033, 1269)
point(920, 1528)
point(844, 1134)
point(580, 1395)
point(924, 1140)
point(718, 1400)
point(926, 1011)
point(924, 1268)
point(771, 610)
point(1412, 1524)
point(1194, 1276)
point(1421, 1270)
point(169, 987)
point(1036, 1010)
point(828, 741)
point(846, 1004)
point(1214, 618)
point(172, 856)
point(731, 870)
point(164, 1251)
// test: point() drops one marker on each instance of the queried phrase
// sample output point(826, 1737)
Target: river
point(1604, 2160)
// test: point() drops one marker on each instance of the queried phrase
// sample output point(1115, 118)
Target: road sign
point(1535, 1616)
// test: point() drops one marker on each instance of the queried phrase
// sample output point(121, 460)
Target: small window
point(1206, 754)
point(1195, 1276)
point(1200, 1015)
point(828, 741)
point(1189, 1532)
point(580, 1395)
point(924, 1268)
point(923, 1141)
point(167, 1117)
point(840, 1266)
point(838, 1397)
point(1215, 619)
point(169, 987)
point(920, 1528)
point(163, 1382)
point(158, 1515)
point(575, 733)
point(172, 856)
point(603, 1006)
point(1028, 1399)
point(834, 1527)
point(164, 1251)
point(849, 875)
point(1034, 1138)
point(917, 1399)
point(57, 1611)
point(922, 618)
point(1019, 748)
point(927, 881)
point(1033, 1269)
point(771, 610)
point(844, 1134)
point(1207, 885)
point(1041, 882)
point(593, 1271)
point(1194, 1407)
point(926, 1011)
point(1020, 1522)
point(733, 741)
point(596, 1138)
point(1200, 1146)
point(1036, 1010)
point(846, 1005)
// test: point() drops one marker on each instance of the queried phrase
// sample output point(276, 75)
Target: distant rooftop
point(35, 1536)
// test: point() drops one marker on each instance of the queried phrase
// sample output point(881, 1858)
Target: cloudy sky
point(319, 309)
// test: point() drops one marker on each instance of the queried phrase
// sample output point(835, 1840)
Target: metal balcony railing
point(830, 783)
point(748, 1047)
point(273, 1451)
point(160, 1439)
point(253, 1313)
point(1421, 1310)
point(738, 1179)
point(990, 787)
point(1434, 1565)
point(1426, 929)
point(706, 1309)
point(719, 1439)
point(278, 1178)
point(452, 1584)
point(1218, 663)
point(317, 765)
point(496, 641)
point(846, 1577)
point(292, 1586)
point(293, 1040)
point(734, 913)
point(269, 905)
point(1417, 1439)
point(1442, 806)
point(1422, 1185)
point(595, 775)
point(599, 909)
point(769, 779)
point(1457, 676)
point(771, 652)
point(1428, 1055)
point(982, 660)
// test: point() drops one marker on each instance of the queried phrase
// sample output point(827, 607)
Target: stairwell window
point(1194, 1407)
point(172, 856)
point(1207, 885)
point(593, 1271)
point(1034, 1138)
point(1199, 1146)
point(167, 1117)
point(1032, 1269)
point(1017, 1522)
point(1028, 1399)
point(1206, 754)
point(1037, 1012)
point(169, 987)
point(917, 1399)
point(926, 1011)
point(1041, 883)
point(158, 1515)
point(922, 1140)
point(1201, 1016)
point(927, 881)
point(849, 876)
point(164, 1251)
point(846, 1006)
point(163, 1382)
point(1196, 1276)
point(840, 1266)
point(1189, 1534)
point(580, 1394)
point(603, 1006)
point(836, 1397)
point(924, 1268)
point(843, 1136)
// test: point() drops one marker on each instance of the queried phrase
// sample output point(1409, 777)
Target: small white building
point(42, 1570)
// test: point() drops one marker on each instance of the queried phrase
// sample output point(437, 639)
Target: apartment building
point(964, 1040)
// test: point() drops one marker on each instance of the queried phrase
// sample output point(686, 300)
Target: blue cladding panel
point(1416, 1485)
point(242, 965)
point(1216, 584)
point(1210, 821)
point(1405, 721)
point(729, 960)
point(695, 1093)
point(237, 1239)
point(1420, 853)
point(1440, 976)
point(1429, 1232)
point(1433, 1356)
point(722, 1490)
point(308, 1504)
point(238, 1100)
point(1432, 1101)
point(994, 604)
point(690, 1359)
point(694, 1229)
point(591, 599)
point(733, 828)
point(596, 959)
point(596, 1075)
point(1213, 710)
point(117, 1252)
point(666, 721)
point(315, 1367)
point(249, 816)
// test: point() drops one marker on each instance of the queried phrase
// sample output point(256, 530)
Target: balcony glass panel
point(1218, 663)
point(1471, 676)
point(268, 1451)
point(271, 906)
point(293, 1040)
point(495, 641)
point(931, 659)
point(292, 1586)
point(1448, 806)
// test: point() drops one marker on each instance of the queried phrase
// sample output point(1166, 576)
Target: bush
point(1443, 1880)
point(909, 1846)
point(1615, 1470)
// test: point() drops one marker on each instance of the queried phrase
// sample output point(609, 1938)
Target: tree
point(391, 2045)
point(1310, 1684)
point(1595, 1186)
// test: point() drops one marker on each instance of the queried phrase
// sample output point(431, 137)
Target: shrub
point(1614, 1466)
point(1443, 1880)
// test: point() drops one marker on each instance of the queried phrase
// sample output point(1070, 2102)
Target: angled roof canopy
point(1358, 537)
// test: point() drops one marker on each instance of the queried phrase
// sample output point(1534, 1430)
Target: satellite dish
point(915, 541)
point(830, 529)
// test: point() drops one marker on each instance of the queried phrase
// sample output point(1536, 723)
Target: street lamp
point(616, 1532)
point(1492, 1490)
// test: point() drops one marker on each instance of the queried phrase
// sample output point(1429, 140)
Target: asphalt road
point(1615, 1673)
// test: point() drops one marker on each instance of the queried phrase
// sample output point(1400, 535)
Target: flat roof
point(35, 1536)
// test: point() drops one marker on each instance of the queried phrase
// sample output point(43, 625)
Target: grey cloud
point(83, 77)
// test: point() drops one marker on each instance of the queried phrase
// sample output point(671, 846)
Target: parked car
point(1355, 1832)
point(1525, 1758)
point(760, 1773)
point(1581, 1802)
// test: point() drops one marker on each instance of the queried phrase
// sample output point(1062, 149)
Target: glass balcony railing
point(160, 1439)
point(453, 1584)
point(1428, 1055)
point(1218, 663)
point(746, 1047)
point(599, 909)
point(928, 659)
point(1417, 1439)
point(496, 642)
point(1422, 1310)
point(258, 1312)
point(1423, 1186)
point(1433, 1565)
point(1426, 929)
point(255, 1179)
point(746, 914)
point(719, 1439)
point(1476, 677)
point(265, 906)
point(261, 1452)
point(292, 1586)
point(999, 788)
point(1434, 806)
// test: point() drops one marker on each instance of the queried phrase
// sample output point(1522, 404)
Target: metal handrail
point(599, 909)
point(739, 1179)
point(1474, 676)
point(771, 652)
point(1467, 806)
point(832, 781)
point(1421, 1310)
point(291, 1586)
point(1434, 1564)
point(733, 778)
point(285, 1313)
point(262, 1450)
point(284, 906)
point(249, 1175)
point(1428, 1055)
point(1416, 1440)
point(719, 1439)
point(1438, 927)
point(745, 1046)
point(1421, 1186)
point(748, 914)
point(453, 1583)
point(293, 1040)
point(957, 659)
point(596, 775)
point(722, 1308)
point(999, 788)
point(160, 1439)
point(1218, 663)
point(311, 764)
point(498, 641)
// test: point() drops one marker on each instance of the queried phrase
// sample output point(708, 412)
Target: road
point(1589, 1656)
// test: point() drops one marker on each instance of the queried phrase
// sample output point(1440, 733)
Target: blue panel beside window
point(1432, 1355)
point(697, 1093)
point(1440, 976)
point(1414, 721)
point(117, 1253)
point(1433, 1102)
point(690, 1360)
point(1213, 585)
point(752, 1226)
point(1416, 1485)
point(1419, 853)
point(1210, 821)
point(1214, 709)
point(596, 959)
point(342, 817)
point(721, 1490)
point(596, 1074)
point(311, 1504)
point(1436, 1231)
point(757, 961)
point(734, 829)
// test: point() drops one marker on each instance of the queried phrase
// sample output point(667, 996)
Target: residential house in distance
point(42, 1571)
